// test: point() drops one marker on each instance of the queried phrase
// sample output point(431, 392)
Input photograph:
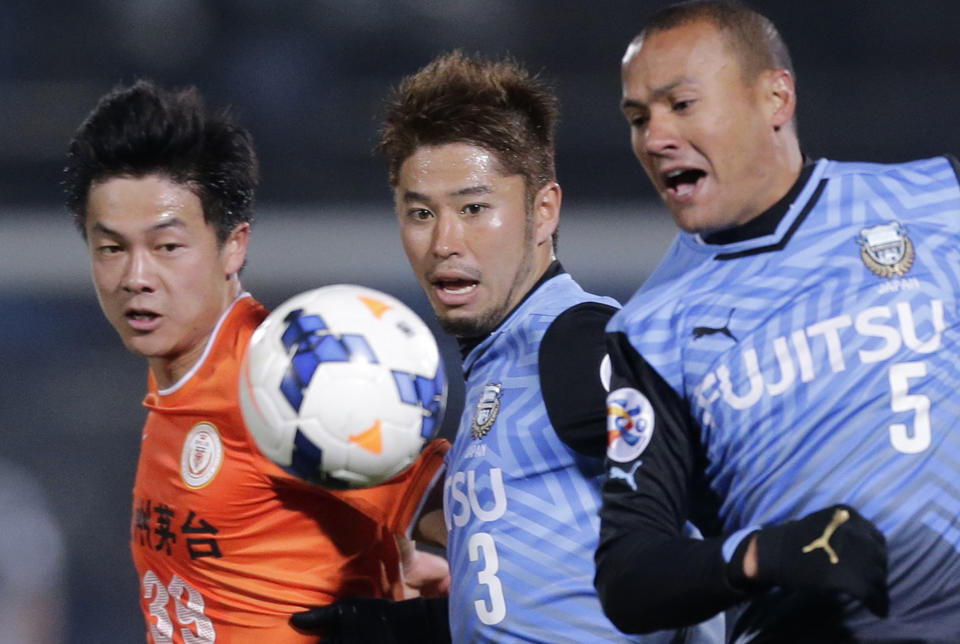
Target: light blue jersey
point(821, 365)
point(520, 505)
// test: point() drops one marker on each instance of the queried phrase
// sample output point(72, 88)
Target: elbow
point(623, 600)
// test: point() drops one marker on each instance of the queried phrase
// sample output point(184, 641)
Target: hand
point(425, 575)
point(362, 620)
point(831, 550)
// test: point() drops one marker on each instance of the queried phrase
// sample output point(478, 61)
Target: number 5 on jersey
point(902, 439)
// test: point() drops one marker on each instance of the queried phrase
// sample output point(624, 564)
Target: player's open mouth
point(142, 320)
point(681, 182)
point(457, 287)
point(454, 292)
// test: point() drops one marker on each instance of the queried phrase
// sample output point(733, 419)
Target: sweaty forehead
point(448, 163)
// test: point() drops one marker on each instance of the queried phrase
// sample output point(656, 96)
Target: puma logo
point(700, 331)
point(823, 541)
point(619, 473)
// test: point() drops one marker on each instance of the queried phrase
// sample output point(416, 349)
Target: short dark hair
point(496, 105)
point(753, 36)
point(144, 129)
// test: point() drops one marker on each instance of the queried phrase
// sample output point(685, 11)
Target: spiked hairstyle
point(143, 129)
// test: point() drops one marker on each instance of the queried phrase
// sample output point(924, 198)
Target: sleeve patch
point(630, 424)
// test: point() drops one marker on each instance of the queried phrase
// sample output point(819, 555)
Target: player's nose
point(448, 236)
point(138, 274)
point(660, 136)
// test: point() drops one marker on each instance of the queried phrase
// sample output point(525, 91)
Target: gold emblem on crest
point(886, 249)
point(487, 410)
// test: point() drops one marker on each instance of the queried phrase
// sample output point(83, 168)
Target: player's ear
point(780, 96)
point(546, 212)
point(234, 251)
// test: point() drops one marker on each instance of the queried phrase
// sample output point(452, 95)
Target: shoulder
point(246, 314)
point(919, 171)
point(239, 323)
point(656, 305)
point(585, 317)
point(924, 190)
point(575, 339)
point(561, 292)
point(559, 307)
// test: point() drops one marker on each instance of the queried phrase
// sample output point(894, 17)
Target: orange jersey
point(227, 545)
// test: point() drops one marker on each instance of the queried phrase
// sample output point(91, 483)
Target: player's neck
point(790, 161)
point(169, 369)
point(766, 222)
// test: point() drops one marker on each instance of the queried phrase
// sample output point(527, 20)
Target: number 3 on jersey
point(483, 548)
point(188, 611)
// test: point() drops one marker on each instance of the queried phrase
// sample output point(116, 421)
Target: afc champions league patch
point(630, 424)
point(202, 455)
point(487, 410)
point(886, 249)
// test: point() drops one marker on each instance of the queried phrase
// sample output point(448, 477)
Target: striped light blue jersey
point(520, 505)
point(821, 365)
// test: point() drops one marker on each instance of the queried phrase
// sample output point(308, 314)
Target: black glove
point(362, 620)
point(831, 550)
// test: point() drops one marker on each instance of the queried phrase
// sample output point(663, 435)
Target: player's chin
point(133, 343)
point(144, 345)
point(462, 324)
point(692, 219)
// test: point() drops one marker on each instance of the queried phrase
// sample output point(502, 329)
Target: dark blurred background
point(878, 80)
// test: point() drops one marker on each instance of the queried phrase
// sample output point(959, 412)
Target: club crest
point(202, 455)
point(487, 410)
point(886, 249)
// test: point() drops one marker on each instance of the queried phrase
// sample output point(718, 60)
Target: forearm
point(431, 528)
point(676, 582)
point(683, 581)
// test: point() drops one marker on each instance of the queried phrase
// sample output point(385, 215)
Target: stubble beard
point(476, 327)
point(485, 322)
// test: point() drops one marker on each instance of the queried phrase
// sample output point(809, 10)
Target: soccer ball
point(342, 386)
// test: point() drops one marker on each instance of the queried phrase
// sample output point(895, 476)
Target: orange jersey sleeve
point(227, 545)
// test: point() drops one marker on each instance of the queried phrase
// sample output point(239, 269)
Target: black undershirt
point(571, 352)
point(569, 359)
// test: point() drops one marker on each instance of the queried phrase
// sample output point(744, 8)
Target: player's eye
point(108, 249)
point(638, 120)
point(419, 214)
point(473, 209)
point(682, 106)
point(169, 247)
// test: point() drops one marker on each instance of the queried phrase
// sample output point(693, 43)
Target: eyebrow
point(413, 195)
point(173, 222)
point(655, 94)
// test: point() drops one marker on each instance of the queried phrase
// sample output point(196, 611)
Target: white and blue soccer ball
point(342, 386)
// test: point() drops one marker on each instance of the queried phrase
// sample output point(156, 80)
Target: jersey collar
point(772, 229)
point(469, 344)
